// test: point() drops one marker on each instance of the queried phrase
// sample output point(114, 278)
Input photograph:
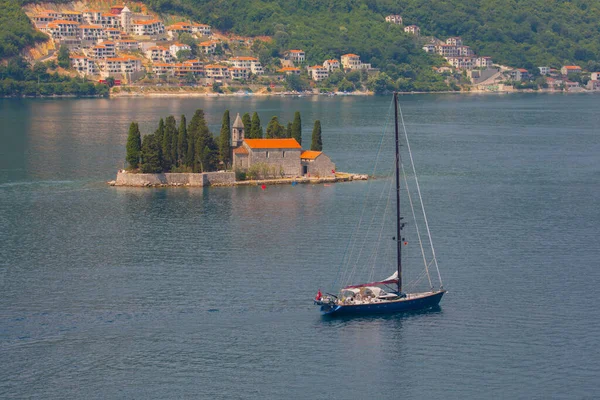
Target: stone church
point(283, 155)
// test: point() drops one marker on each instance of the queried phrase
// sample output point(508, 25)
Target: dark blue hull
point(398, 306)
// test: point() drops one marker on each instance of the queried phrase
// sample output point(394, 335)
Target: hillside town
point(126, 45)
point(487, 76)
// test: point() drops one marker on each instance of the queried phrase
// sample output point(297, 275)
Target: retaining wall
point(175, 179)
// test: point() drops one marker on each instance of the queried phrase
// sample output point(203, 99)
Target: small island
point(188, 154)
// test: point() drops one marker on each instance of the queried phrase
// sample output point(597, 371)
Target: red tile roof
point(240, 150)
point(272, 143)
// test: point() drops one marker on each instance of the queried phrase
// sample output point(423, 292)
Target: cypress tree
point(160, 132)
point(297, 127)
point(150, 155)
point(256, 131)
point(182, 141)
point(247, 121)
point(198, 137)
point(134, 146)
point(225, 139)
point(317, 143)
point(168, 152)
point(288, 131)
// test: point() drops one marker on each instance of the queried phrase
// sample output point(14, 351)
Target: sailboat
point(388, 295)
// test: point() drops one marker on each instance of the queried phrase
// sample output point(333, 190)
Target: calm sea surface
point(207, 293)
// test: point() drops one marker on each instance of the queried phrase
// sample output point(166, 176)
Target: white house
point(318, 73)
point(394, 19)
point(250, 63)
point(201, 29)
point(412, 29)
point(175, 47)
point(296, 55)
point(331, 64)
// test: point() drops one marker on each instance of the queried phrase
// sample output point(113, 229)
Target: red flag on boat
point(319, 295)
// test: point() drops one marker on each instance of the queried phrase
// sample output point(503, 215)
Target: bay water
point(111, 292)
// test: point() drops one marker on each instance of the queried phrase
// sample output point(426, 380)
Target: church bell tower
point(237, 132)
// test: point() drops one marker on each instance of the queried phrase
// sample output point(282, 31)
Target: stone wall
point(287, 159)
point(175, 179)
point(320, 166)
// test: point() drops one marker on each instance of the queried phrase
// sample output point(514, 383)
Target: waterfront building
point(283, 157)
point(216, 71)
point(318, 73)
point(250, 63)
point(570, 69)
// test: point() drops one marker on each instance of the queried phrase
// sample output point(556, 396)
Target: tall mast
point(398, 224)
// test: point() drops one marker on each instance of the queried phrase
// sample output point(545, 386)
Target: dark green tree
point(151, 162)
point(297, 127)
point(134, 146)
point(288, 130)
point(316, 143)
point(199, 137)
point(256, 131)
point(170, 136)
point(247, 121)
point(182, 141)
point(275, 129)
point(63, 57)
point(225, 139)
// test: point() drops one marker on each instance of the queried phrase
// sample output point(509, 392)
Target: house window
point(267, 154)
point(283, 154)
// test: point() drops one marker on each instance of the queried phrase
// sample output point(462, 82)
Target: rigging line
point(366, 236)
point(420, 198)
point(346, 259)
point(376, 250)
point(412, 209)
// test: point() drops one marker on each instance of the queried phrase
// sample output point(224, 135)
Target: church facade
point(282, 157)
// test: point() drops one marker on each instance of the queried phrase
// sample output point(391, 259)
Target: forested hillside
point(521, 33)
point(16, 31)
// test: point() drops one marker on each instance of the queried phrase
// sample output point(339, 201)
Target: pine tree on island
point(134, 146)
point(297, 128)
point(316, 143)
point(182, 141)
point(256, 131)
point(224, 140)
point(288, 130)
point(150, 155)
point(247, 121)
point(275, 130)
